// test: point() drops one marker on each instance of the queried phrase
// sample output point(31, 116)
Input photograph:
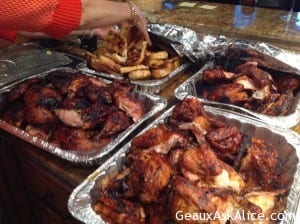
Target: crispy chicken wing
point(20, 89)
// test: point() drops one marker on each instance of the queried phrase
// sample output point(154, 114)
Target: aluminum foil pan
point(215, 46)
point(184, 41)
point(153, 86)
point(189, 87)
point(20, 61)
point(154, 104)
point(286, 141)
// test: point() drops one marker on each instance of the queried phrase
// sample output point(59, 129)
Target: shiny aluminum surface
point(286, 142)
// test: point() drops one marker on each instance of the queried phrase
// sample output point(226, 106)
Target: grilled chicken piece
point(77, 112)
point(76, 139)
point(115, 122)
point(42, 131)
point(216, 74)
point(287, 83)
point(67, 83)
point(225, 140)
point(199, 127)
point(187, 110)
point(119, 211)
point(268, 201)
point(38, 115)
point(261, 166)
point(190, 199)
point(21, 88)
point(40, 102)
point(131, 105)
point(202, 165)
point(99, 94)
point(228, 93)
point(150, 175)
point(280, 107)
point(159, 139)
point(246, 82)
point(260, 77)
point(14, 114)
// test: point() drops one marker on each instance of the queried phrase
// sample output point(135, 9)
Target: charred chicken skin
point(261, 165)
point(151, 175)
point(159, 139)
point(40, 102)
point(217, 74)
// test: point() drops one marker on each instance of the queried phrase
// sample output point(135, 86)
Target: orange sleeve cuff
point(66, 18)
point(8, 35)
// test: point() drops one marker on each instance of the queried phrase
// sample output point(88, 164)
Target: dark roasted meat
point(14, 114)
point(216, 74)
point(76, 139)
point(40, 101)
point(231, 93)
point(20, 89)
point(225, 140)
point(119, 211)
point(159, 139)
point(151, 173)
point(261, 165)
point(115, 122)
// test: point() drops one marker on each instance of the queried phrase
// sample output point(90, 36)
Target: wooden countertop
point(265, 25)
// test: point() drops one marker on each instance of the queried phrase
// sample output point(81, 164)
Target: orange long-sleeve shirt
point(55, 18)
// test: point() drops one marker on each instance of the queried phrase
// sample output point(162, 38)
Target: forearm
point(98, 13)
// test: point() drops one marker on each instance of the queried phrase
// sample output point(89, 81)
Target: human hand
point(141, 23)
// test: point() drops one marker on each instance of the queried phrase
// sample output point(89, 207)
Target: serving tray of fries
point(125, 54)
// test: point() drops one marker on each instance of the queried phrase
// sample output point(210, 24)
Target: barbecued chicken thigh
point(261, 165)
point(159, 139)
point(40, 101)
point(150, 175)
point(217, 74)
point(202, 165)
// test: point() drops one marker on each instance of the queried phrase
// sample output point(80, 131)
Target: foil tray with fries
point(125, 54)
point(277, 103)
point(84, 197)
point(38, 122)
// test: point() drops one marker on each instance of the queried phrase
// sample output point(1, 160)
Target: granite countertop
point(244, 22)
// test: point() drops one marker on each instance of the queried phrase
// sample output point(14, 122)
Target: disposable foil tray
point(20, 61)
point(148, 86)
point(189, 87)
point(154, 104)
point(286, 141)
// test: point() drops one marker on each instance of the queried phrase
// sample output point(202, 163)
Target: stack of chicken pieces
point(250, 87)
point(72, 110)
point(193, 164)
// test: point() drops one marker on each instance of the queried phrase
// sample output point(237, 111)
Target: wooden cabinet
point(29, 193)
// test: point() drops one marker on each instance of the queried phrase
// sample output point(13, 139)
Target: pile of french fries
point(126, 53)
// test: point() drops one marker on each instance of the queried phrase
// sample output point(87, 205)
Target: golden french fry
point(154, 63)
point(127, 69)
point(140, 74)
point(159, 55)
